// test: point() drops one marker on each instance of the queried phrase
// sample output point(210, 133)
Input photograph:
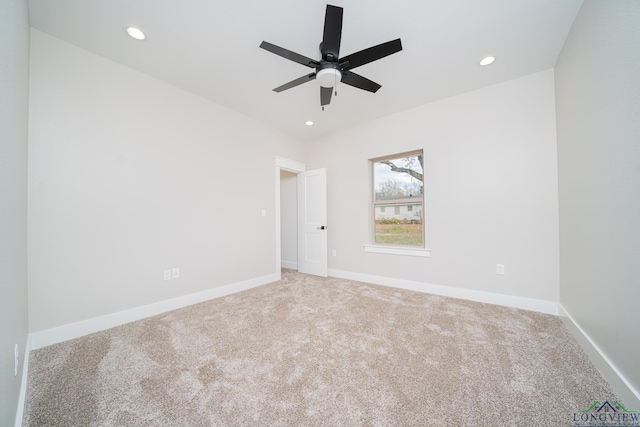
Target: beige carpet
point(313, 351)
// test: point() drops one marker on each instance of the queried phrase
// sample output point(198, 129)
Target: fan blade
point(296, 82)
point(374, 53)
point(325, 95)
point(292, 56)
point(356, 80)
point(332, 33)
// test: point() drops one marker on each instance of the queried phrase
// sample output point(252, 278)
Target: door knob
point(322, 227)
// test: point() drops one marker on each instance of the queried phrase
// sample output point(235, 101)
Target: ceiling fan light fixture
point(135, 33)
point(487, 60)
point(328, 77)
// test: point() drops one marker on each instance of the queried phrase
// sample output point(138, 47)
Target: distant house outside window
point(397, 182)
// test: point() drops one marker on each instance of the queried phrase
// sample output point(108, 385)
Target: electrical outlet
point(334, 253)
point(167, 274)
point(16, 360)
point(499, 268)
point(175, 273)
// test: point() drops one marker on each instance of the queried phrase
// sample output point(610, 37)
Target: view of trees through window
point(398, 199)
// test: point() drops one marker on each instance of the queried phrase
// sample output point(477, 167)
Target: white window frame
point(390, 249)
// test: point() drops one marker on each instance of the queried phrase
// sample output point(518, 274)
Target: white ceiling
point(210, 48)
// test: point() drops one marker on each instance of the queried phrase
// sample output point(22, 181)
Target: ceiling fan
point(331, 69)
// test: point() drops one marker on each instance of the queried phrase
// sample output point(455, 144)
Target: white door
point(312, 222)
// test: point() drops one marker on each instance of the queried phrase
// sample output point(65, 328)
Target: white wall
point(598, 105)
point(129, 176)
point(490, 187)
point(14, 95)
point(289, 219)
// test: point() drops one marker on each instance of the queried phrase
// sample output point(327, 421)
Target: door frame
point(289, 166)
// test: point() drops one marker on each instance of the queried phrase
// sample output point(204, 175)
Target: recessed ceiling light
point(308, 123)
point(136, 33)
point(487, 60)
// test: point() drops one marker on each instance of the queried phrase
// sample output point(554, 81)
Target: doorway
point(301, 235)
point(294, 168)
point(289, 219)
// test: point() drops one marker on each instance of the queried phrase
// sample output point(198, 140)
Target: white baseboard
point(23, 384)
point(96, 324)
point(541, 306)
point(608, 370)
point(289, 264)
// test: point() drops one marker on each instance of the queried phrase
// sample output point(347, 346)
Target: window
point(398, 183)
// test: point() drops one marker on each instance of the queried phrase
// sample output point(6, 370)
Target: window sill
point(398, 250)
